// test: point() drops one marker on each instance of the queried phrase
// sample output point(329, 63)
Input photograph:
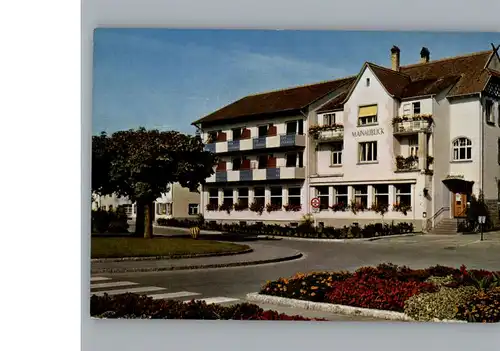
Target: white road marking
point(131, 290)
point(98, 279)
point(217, 300)
point(111, 284)
point(173, 295)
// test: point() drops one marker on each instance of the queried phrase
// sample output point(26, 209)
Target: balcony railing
point(413, 124)
point(327, 133)
point(246, 175)
point(264, 142)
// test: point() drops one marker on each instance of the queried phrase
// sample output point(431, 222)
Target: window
point(498, 113)
point(193, 209)
point(403, 194)
point(488, 110)
point(213, 197)
point(128, 209)
point(340, 194)
point(416, 108)
point(161, 208)
point(295, 127)
point(368, 151)
point(329, 119)
point(212, 136)
point(262, 161)
point(462, 149)
point(337, 153)
point(367, 115)
point(381, 194)
point(236, 164)
point(276, 196)
point(236, 133)
point(262, 131)
point(406, 109)
point(361, 195)
point(498, 150)
point(291, 159)
point(301, 159)
point(294, 196)
point(413, 146)
point(259, 196)
point(322, 194)
point(228, 197)
point(243, 197)
point(367, 82)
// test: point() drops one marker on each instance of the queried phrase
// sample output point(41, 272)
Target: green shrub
point(441, 304)
point(440, 281)
point(482, 307)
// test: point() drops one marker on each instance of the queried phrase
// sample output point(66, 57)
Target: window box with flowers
point(341, 206)
point(257, 207)
point(409, 163)
point(315, 130)
point(293, 208)
point(273, 207)
point(356, 207)
point(240, 206)
point(212, 207)
point(417, 117)
point(380, 208)
point(226, 207)
point(403, 208)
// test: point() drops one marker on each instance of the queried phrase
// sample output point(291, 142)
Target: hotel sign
point(368, 132)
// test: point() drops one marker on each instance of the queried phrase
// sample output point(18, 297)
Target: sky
point(166, 79)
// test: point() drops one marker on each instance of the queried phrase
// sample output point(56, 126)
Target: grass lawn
point(140, 247)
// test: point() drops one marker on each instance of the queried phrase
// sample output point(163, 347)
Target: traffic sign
point(315, 202)
point(482, 219)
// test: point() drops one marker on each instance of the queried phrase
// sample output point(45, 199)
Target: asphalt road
point(230, 285)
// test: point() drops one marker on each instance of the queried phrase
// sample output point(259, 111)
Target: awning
point(366, 111)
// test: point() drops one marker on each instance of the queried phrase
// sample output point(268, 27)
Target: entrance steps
point(447, 226)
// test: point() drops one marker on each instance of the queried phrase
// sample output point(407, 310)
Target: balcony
point(406, 164)
point(265, 142)
point(245, 175)
point(411, 125)
point(327, 133)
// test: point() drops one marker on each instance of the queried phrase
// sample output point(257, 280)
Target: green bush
point(482, 307)
point(441, 304)
point(109, 221)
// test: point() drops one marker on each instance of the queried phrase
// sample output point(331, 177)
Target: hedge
point(304, 230)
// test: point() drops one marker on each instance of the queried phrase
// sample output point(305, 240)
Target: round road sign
point(315, 202)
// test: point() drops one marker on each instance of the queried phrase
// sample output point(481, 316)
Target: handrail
point(441, 210)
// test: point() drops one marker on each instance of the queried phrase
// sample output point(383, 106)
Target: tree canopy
point(141, 165)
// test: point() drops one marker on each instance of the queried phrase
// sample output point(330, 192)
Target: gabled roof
point(292, 99)
point(466, 74)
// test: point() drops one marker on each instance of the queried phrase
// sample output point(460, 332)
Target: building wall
point(183, 197)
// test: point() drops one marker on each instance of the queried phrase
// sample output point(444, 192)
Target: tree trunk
point(139, 219)
point(148, 220)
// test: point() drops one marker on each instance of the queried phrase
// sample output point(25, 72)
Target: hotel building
point(400, 143)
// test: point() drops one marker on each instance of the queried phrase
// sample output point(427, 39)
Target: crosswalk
point(100, 285)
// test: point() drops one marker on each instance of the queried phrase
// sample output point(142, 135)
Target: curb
point(334, 240)
point(172, 257)
point(203, 266)
point(334, 308)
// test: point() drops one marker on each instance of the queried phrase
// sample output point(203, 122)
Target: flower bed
point(137, 306)
point(437, 292)
point(303, 230)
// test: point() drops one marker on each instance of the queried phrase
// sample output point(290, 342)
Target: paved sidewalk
point(261, 254)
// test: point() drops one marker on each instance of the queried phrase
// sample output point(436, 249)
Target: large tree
point(144, 163)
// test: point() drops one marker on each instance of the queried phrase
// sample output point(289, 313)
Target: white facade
point(423, 157)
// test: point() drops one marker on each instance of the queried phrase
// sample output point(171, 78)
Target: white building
point(178, 202)
point(417, 139)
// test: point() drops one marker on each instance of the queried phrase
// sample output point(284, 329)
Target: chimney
point(395, 58)
point(425, 55)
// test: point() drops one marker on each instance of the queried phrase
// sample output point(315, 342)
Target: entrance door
point(459, 204)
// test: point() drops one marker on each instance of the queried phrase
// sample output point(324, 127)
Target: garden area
point(303, 230)
point(119, 247)
point(431, 294)
point(136, 306)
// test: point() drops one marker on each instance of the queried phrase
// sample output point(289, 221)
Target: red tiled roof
point(465, 74)
point(277, 101)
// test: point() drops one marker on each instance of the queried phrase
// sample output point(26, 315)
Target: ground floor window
point(228, 197)
point(128, 209)
point(193, 209)
point(294, 196)
point(213, 197)
point(162, 208)
point(361, 195)
point(259, 196)
point(277, 195)
point(381, 194)
point(243, 197)
point(323, 194)
point(403, 194)
point(340, 194)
